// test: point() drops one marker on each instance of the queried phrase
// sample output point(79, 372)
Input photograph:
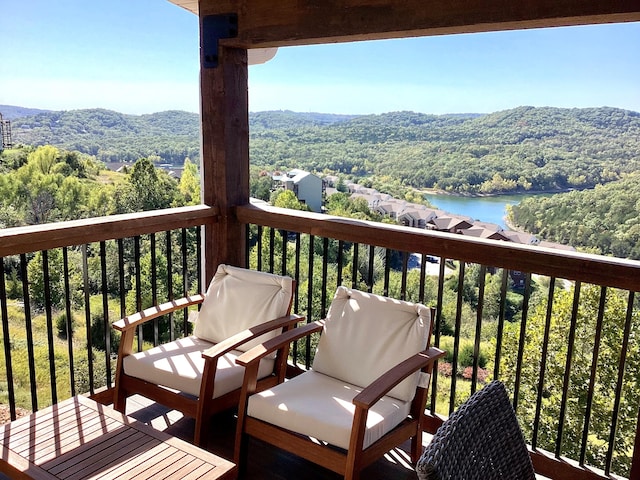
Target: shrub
point(444, 368)
point(483, 374)
point(98, 334)
point(465, 357)
point(465, 353)
point(61, 325)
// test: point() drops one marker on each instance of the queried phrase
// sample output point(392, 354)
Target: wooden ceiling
point(274, 23)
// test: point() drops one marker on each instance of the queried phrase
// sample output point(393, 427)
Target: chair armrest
point(270, 346)
point(150, 313)
point(233, 342)
point(383, 384)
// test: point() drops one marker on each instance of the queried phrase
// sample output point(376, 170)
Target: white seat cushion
point(365, 335)
point(179, 365)
point(238, 299)
point(316, 405)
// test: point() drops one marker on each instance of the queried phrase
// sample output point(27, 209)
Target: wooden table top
point(82, 439)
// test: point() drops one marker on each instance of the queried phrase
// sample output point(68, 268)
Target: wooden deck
point(265, 462)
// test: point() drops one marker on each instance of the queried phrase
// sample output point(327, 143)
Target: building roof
point(450, 222)
point(559, 246)
point(520, 237)
point(479, 231)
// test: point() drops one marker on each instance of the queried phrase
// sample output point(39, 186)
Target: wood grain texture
point(80, 439)
point(15, 241)
point(225, 155)
point(596, 269)
point(264, 23)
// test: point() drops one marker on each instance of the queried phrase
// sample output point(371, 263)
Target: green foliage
point(81, 368)
point(37, 280)
point(340, 205)
point(147, 188)
point(42, 357)
point(13, 284)
point(260, 183)
point(579, 375)
point(605, 219)
point(189, 185)
point(287, 199)
point(110, 136)
point(51, 185)
point(57, 185)
point(522, 149)
point(465, 353)
point(99, 336)
point(56, 279)
point(60, 322)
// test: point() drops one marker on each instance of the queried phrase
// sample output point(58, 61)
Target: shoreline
point(435, 191)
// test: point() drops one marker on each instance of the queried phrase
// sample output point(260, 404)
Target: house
point(451, 223)
point(390, 208)
point(476, 230)
point(417, 216)
point(307, 187)
point(521, 237)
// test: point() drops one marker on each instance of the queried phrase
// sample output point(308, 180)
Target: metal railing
point(559, 328)
point(556, 327)
point(63, 284)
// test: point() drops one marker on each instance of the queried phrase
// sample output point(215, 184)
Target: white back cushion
point(238, 299)
point(365, 335)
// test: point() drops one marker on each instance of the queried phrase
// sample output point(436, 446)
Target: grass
point(41, 376)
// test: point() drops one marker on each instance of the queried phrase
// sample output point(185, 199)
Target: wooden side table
point(81, 439)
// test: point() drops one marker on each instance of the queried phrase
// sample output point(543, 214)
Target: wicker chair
point(480, 441)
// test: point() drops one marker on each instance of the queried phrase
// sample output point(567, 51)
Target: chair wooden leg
point(240, 453)
point(416, 446)
point(197, 435)
point(352, 473)
point(120, 400)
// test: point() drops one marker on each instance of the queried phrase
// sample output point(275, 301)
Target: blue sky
point(141, 56)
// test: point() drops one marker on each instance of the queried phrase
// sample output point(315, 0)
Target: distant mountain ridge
point(10, 112)
point(520, 149)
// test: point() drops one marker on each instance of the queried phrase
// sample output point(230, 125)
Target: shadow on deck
point(265, 461)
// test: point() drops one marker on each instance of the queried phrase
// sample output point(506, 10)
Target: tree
point(261, 184)
point(556, 360)
point(287, 199)
point(71, 198)
point(57, 297)
point(147, 188)
point(189, 185)
point(44, 158)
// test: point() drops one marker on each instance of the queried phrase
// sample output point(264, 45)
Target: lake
point(484, 209)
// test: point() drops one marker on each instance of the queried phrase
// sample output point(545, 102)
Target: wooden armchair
point(197, 375)
point(365, 395)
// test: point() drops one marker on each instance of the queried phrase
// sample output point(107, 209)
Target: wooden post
point(224, 114)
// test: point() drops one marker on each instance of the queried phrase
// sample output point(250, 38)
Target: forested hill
point(112, 136)
point(605, 219)
point(521, 149)
point(9, 112)
point(514, 150)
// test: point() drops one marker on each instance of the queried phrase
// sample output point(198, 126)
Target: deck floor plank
point(265, 462)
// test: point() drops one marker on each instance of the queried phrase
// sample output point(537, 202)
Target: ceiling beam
point(268, 23)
